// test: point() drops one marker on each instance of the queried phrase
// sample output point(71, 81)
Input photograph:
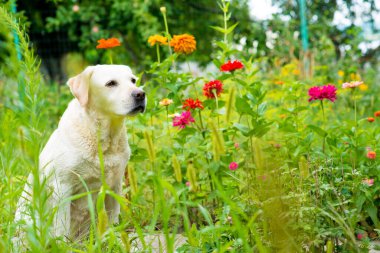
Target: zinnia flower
point(183, 120)
point(233, 166)
point(352, 84)
point(322, 92)
point(191, 104)
point(108, 43)
point(279, 82)
point(231, 66)
point(371, 155)
point(157, 39)
point(369, 181)
point(370, 119)
point(166, 102)
point(377, 114)
point(210, 87)
point(183, 44)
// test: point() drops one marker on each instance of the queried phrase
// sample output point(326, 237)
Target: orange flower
point(370, 119)
point(279, 82)
point(377, 114)
point(371, 155)
point(183, 44)
point(108, 43)
point(157, 39)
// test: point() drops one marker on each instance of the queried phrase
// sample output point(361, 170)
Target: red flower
point(377, 114)
point(183, 120)
point(108, 43)
point(370, 119)
point(371, 155)
point(210, 87)
point(360, 236)
point(191, 104)
point(322, 92)
point(231, 66)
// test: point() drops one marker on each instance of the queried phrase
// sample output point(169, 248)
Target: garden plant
point(256, 155)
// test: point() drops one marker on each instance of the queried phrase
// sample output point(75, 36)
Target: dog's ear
point(80, 84)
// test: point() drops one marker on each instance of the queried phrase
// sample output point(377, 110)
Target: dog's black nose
point(139, 95)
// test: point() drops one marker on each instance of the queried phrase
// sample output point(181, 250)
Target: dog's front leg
point(60, 201)
point(112, 205)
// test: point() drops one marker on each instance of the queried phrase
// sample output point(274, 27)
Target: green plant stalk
point(324, 122)
point(110, 56)
point(158, 53)
point(169, 37)
point(200, 119)
point(217, 106)
point(193, 84)
point(356, 126)
point(225, 20)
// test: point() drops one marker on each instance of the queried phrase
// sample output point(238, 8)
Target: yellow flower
point(340, 73)
point(363, 87)
point(183, 44)
point(157, 39)
point(166, 102)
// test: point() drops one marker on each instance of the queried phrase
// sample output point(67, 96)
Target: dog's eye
point(133, 80)
point(111, 83)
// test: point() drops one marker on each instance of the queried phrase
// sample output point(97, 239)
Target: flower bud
point(163, 9)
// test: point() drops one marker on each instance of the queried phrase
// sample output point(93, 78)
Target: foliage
point(300, 169)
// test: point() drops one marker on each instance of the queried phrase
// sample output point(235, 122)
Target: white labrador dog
point(104, 96)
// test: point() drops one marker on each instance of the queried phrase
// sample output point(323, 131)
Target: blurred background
point(65, 33)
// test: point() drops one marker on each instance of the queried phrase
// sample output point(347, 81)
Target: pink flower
point(352, 84)
point(188, 184)
point(369, 181)
point(95, 29)
point(236, 145)
point(360, 236)
point(75, 8)
point(322, 92)
point(233, 166)
point(183, 120)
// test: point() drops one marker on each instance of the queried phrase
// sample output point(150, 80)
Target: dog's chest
point(113, 164)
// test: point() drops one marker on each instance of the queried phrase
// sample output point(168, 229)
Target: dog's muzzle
point(140, 102)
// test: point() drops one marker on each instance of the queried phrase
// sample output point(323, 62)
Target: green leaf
point(242, 128)
point(231, 28)
point(372, 212)
point(318, 130)
point(242, 106)
point(219, 29)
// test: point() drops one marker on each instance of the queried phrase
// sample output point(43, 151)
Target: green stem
point(225, 21)
point(168, 36)
point(200, 119)
point(110, 56)
point(193, 84)
point(158, 53)
point(167, 119)
point(324, 121)
point(356, 126)
point(217, 105)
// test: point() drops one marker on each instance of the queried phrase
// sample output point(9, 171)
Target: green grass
point(298, 186)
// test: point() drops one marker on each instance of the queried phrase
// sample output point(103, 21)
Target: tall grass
point(177, 185)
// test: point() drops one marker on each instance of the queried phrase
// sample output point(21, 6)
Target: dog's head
point(110, 89)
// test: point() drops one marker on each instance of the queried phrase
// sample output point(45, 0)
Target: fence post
point(305, 55)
